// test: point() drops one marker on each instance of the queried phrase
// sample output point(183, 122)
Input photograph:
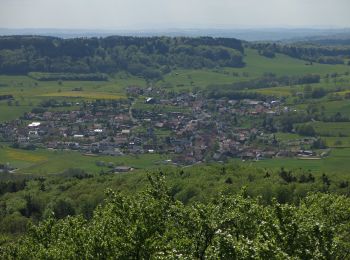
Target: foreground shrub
point(152, 225)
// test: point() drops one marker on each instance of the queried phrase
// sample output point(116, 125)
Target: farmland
point(256, 66)
point(84, 95)
point(50, 162)
point(332, 129)
point(30, 92)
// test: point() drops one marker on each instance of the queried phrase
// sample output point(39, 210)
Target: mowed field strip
point(87, 95)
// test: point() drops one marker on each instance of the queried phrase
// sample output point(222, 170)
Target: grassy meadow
point(336, 163)
point(337, 129)
point(85, 95)
point(49, 162)
point(256, 66)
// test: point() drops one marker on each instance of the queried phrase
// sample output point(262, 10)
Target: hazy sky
point(137, 14)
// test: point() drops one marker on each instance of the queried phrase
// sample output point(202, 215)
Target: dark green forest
point(312, 52)
point(147, 57)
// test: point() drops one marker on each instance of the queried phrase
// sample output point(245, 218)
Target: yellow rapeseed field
point(24, 156)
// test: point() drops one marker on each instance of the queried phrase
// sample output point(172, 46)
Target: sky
point(160, 14)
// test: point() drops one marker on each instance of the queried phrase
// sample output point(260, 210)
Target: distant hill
point(149, 57)
point(335, 40)
point(251, 34)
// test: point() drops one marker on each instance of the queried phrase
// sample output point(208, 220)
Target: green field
point(287, 136)
point(48, 161)
point(256, 66)
point(332, 128)
point(85, 95)
point(338, 142)
point(285, 65)
point(336, 163)
point(332, 107)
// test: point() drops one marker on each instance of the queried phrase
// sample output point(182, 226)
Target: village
point(189, 127)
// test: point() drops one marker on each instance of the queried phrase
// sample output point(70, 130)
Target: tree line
point(147, 57)
point(305, 51)
point(267, 81)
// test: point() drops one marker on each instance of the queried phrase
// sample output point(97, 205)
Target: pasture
point(256, 66)
point(336, 163)
point(85, 95)
point(337, 142)
point(48, 161)
point(337, 129)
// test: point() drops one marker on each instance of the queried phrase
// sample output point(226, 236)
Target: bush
point(306, 130)
point(14, 224)
point(60, 208)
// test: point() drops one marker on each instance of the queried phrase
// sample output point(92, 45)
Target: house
point(47, 115)
point(5, 168)
point(275, 103)
point(34, 124)
point(248, 156)
point(150, 100)
point(98, 131)
point(251, 102)
point(33, 134)
point(119, 169)
point(306, 153)
point(126, 132)
point(111, 151)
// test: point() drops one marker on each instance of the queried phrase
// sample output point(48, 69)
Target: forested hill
point(326, 51)
point(148, 57)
